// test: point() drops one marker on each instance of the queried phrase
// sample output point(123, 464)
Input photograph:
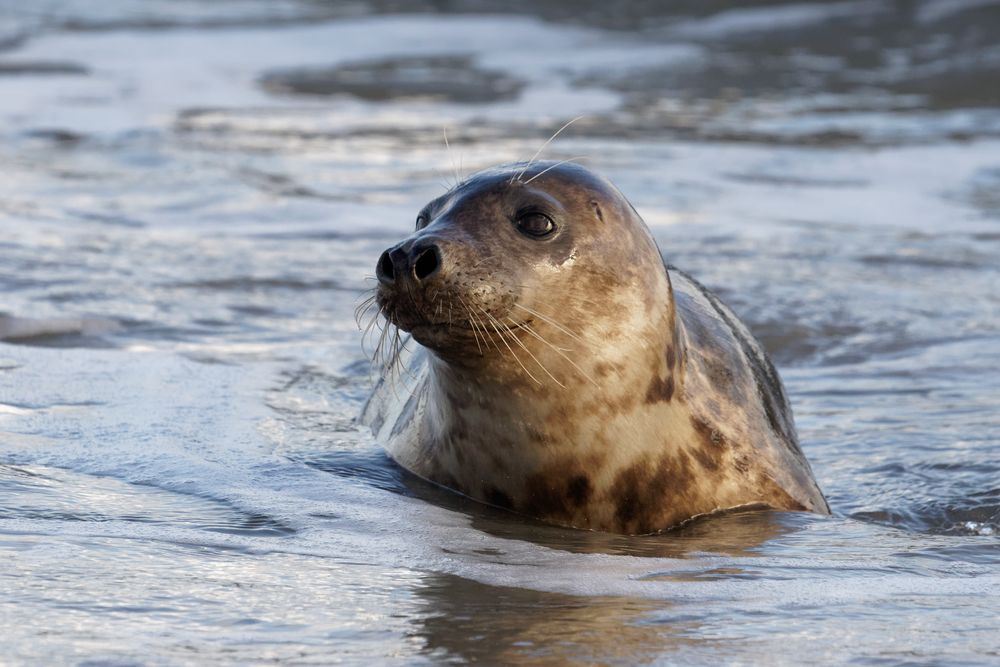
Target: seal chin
point(438, 336)
point(454, 339)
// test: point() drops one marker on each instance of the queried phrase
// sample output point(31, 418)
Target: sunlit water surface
point(193, 196)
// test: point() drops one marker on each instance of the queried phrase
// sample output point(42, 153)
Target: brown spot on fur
point(671, 356)
point(578, 490)
point(544, 499)
point(709, 435)
point(652, 496)
point(495, 496)
point(660, 389)
point(709, 459)
point(555, 494)
point(611, 404)
point(560, 418)
point(625, 492)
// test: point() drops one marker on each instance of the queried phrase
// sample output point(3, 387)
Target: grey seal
point(558, 368)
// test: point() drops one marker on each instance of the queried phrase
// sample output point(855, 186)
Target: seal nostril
point(384, 271)
point(427, 264)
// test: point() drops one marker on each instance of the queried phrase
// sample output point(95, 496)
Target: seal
point(563, 371)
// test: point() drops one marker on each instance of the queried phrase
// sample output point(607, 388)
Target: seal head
point(565, 373)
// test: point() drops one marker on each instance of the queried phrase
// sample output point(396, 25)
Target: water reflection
point(739, 533)
point(471, 622)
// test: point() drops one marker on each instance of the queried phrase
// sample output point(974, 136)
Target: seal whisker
point(458, 178)
point(362, 317)
point(525, 348)
point(383, 340)
point(395, 363)
point(378, 318)
point(362, 309)
point(509, 348)
point(561, 354)
point(472, 323)
point(377, 354)
point(385, 343)
point(398, 346)
point(557, 164)
point(383, 357)
point(369, 299)
point(548, 141)
point(386, 357)
point(552, 322)
point(487, 332)
point(472, 320)
point(475, 333)
point(381, 331)
point(389, 365)
point(366, 336)
point(482, 325)
point(574, 297)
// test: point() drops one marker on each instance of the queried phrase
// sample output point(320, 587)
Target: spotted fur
point(638, 399)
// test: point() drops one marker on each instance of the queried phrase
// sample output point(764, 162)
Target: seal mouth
point(464, 327)
point(411, 316)
point(445, 310)
point(469, 326)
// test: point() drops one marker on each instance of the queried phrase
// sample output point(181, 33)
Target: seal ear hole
point(598, 211)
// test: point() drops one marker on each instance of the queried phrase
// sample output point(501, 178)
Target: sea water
point(193, 196)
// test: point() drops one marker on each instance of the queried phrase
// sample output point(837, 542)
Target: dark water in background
point(193, 193)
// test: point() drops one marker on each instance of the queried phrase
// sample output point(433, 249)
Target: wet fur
point(631, 401)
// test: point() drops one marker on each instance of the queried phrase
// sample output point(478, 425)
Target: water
point(193, 195)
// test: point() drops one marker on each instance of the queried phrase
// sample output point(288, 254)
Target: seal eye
point(535, 224)
point(421, 221)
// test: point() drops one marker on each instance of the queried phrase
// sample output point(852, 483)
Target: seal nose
point(384, 270)
point(426, 261)
point(421, 261)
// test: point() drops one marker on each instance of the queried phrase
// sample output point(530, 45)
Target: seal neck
point(552, 382)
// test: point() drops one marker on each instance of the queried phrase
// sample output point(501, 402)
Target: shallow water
point(193, 198)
